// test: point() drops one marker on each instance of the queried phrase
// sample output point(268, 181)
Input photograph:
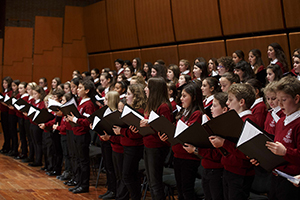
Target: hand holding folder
point(22, 105)
point(71, 107)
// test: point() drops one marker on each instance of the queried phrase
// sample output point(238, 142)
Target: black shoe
point(4, 151)
point(110, 195)
point(53, 173)
point(102, 195)
point(27, 160)
point(35, 164)
point(21, 156)
point(73, 183)
point(74, 188)
point(65, 176)
point(13, 153)
point(66, 182)
point(80, 190)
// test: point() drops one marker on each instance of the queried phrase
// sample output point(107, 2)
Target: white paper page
point(153, 116)
point(72, 101)
point(31, 110)
point(137, 114)
point(275, 117)
point(52, 102)
point(6, 97)
point(204, 119)
point(181, 126)
point(13, 101)
point(126, 111)
point(1, 97)
point(37, 112)
point(19, 107)
point(107, 112)
point(249, 131)
point(288, 177)
point(96, 121)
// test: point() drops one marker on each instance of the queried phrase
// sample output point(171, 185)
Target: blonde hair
point(186, 63)
point(32, 85)
point(271, 87)
point(113, 99)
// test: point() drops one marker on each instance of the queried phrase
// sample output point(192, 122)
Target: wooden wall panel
point(17, 44)
point(154, 22)
point(207, 50)
point(294, 41)
point(1, 53)
point(74, 58)
point(48, 65)
point(47, 33)
point(19, 70)
point(121, 24)
point(126, 55)
point(291, 13)
point(195, 19)
point(261, 43)
point(169, 54)
point(95, 27)
point(250, 16)
point(101, 61)
point(73, 24)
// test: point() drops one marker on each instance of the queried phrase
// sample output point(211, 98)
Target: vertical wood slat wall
point(96, 35)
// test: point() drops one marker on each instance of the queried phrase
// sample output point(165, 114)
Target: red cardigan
point(259, 111)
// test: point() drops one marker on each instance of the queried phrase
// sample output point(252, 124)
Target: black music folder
point(42, 116)
point(163, 125)
point(54, 105)
point(7, 100)
point(31, 112)
point(70, 107)
point(1, 97)
point(105, 119)
point(253, 144)
point(22, 105)
point(132, 117)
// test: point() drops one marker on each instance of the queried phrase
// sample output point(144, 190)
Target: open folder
point(253, 144)
point(132, 117)
point(42, 116)
point(22, 105)
point(54, 105)
point(163, 125)
point(71, 107)
point(105, 119)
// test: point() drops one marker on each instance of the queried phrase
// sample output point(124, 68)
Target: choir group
point(268, 95)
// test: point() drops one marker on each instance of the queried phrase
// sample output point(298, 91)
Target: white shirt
point(214, 73)
point(96, 80)
point(24, 95)
point(84, 100)
point(185, 72)
point(37, 101)
point(274, 61)
point(291, 117)
point(257, 101)
point(171, 99)
point(120, 70)
point(45, 88)
point(244, 113)
point(208, 99)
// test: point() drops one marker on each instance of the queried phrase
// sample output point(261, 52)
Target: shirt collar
point(244, 113)
point(45, 88)
point(276, 110)
point(209, 99)
point(129, 79)
point(84, 100)
point(122, 96)
point(5, 90)
point(96, 80)
point(37, 101)
point(106, 90)
point(30, 97)
point(24, 95)
point(274, 61)
point(298, 77)
point(291, 117)
point(171, 99)
point(199, 79)
point(257, 101)
point(186, 72)
point(214, 73)
point(120, 70)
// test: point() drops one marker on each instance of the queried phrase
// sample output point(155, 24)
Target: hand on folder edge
point(277, 148)
point(216, 141)
point(70, 117)
point(163, 137)
point(298, 177)
point(25, 114)
point(42, 126)
point(55, 126)
point(105, 137)
point(133, 129)
point(144, 123)
point(189, 148)
point(117, 130)
point(254, 162)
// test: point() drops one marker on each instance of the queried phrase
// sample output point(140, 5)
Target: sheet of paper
point(96, 121)
point(153, 116)
point(181, 126)
point(288, 177)
point(249, 131)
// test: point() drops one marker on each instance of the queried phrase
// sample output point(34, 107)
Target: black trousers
point(37, 135)
point(109, 166)
point(185, 175)
point(121, 190)
point(58, 152)
point(22, 134)
point(212, 184)
point(154, 164)
point(132, 157)
point(236, 187)
point(48, 150)
point(72, 154)
point(29, 135)
point(65, 151)
point(282, 189)
point(5, 128)
point(82, 144)
point(12, 124)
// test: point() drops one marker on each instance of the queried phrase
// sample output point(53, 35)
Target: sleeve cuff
point(75, 119)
